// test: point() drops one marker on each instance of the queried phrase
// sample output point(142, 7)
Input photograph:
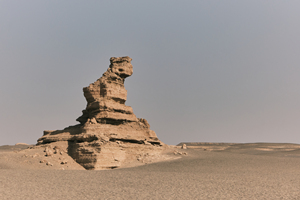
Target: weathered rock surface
point(109, 134)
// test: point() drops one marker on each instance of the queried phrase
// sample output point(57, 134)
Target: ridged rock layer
point(109, 133)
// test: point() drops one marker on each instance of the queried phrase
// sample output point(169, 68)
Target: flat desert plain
point(208, 171)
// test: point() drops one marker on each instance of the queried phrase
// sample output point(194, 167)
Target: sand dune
point(208, 171)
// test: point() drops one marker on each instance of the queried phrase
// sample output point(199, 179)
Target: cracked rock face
point(109, 134)
point(106, 97)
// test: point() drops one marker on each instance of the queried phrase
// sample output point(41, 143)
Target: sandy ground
point(209, 171)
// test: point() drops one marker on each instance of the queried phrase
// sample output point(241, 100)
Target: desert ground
point(202, 171)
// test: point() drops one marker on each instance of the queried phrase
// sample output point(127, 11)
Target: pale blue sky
point(204, 71)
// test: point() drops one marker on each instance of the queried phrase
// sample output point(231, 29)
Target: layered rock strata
point(109, 134)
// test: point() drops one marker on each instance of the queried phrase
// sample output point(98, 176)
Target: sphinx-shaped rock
point(109, 133)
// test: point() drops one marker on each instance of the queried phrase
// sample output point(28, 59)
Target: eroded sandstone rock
point(109, 134)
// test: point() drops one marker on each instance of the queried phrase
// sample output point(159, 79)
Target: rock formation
point(109, 134)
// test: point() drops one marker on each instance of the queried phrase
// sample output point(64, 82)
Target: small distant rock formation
point(109, 134)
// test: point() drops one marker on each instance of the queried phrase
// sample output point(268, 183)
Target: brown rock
point(21, 143)
point(57, 150)
point(35, 155)
point(48, 151)
point(184, 146)
point(109, 133)
point(178, 153)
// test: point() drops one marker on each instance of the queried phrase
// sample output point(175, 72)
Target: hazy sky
point(203, 71)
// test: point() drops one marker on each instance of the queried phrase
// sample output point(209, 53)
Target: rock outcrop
point(109, 134)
